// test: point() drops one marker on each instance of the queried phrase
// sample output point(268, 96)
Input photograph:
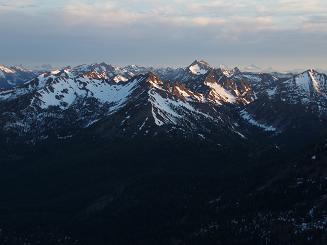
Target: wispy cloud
point(235, 29)
point(6, 5)
point(250, 15)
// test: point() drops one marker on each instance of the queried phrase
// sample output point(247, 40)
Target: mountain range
point(197, 100)
point(195, 155)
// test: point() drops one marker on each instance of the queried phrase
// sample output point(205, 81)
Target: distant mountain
point(14, 75)
point(252, 68)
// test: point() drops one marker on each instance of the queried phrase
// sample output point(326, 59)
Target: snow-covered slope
point(310, 82)
point(309, 87)
point(199, 67)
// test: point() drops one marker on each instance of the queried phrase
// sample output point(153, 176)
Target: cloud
point(102, 15)
point(158, 31)
point(114, 16)
point(315, 24)
point(301, 7)
point(8, 5)
point(230, 15)
point(206, 21)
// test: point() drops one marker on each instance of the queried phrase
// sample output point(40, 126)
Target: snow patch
point(240, 134)
point(143, 124)
point(246, 116)
point(55, 72)
point(315, 83)
point(196, 70)
point(91, 123)
point(220, 93)
point(65, 137)
point(303, 82)
point(120, 78)
point(271, 92)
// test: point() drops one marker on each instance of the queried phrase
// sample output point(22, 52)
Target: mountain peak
point(21, 68)
point(310, 81)
point(228, 72)
point(6, 69)
point(95, 67)
point(199, 67)
point(153, 79)
point(311, 70)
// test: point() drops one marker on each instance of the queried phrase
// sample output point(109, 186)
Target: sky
point(282, 34)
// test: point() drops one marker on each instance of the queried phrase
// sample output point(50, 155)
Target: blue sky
point(282, 34)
